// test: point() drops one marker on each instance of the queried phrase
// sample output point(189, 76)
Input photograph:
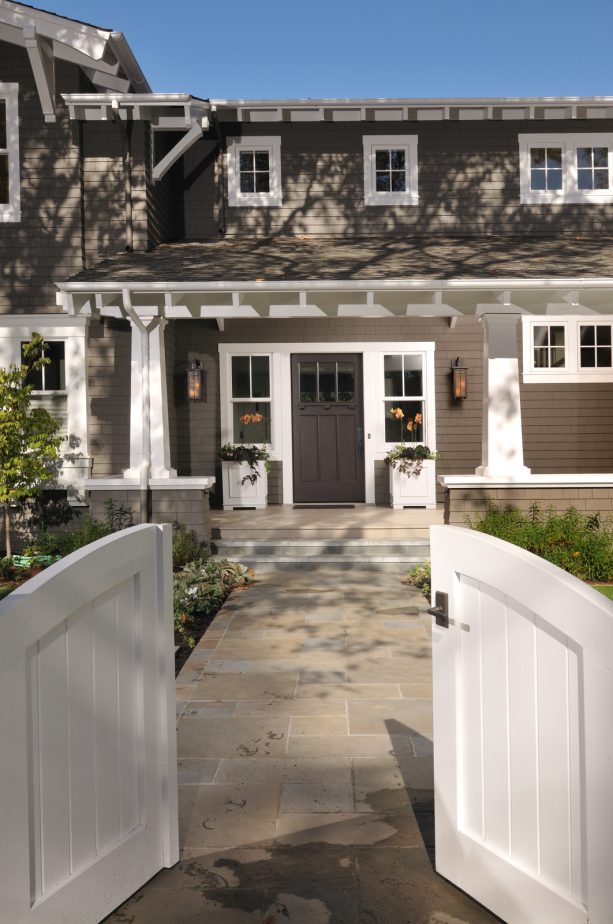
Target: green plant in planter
point(408, 460)
point(251, 455)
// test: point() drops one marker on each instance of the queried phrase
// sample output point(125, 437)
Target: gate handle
point(440, 610)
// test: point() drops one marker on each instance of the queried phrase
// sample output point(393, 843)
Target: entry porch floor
point(363, 521)
point(305, 763)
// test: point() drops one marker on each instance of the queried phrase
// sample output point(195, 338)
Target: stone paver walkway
point(305, 763)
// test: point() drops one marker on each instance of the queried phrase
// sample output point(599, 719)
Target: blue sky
point(351, 48)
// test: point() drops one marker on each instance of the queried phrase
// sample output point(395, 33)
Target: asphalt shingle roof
point(313, 258)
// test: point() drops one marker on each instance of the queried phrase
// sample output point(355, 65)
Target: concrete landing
point(305, 763)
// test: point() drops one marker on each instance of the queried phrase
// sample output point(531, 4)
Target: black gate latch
point(440, 610)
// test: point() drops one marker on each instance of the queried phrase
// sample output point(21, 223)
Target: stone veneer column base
point(183, 500)
point(470, 496)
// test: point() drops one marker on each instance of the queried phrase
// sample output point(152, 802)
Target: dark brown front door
point(328, 428)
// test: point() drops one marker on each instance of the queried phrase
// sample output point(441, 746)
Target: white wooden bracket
point(195, 132)
point(40, 52)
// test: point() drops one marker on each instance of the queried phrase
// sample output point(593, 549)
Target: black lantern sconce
point(458, 378)
point(195, 381)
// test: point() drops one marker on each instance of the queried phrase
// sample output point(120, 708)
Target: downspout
point(221, 174)
point(145, 465)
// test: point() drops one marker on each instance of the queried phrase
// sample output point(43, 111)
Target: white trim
point(570, 191)
point(180, 483)
point(407, 143)
point(11, 212)
point(249, 143)
point(597, 480)
point(281, 397)
point(572, 373)
point(73, 332)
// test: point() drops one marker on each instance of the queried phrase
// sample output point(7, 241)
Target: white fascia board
point(89, 40)
point(416, 102)
point(339, 285)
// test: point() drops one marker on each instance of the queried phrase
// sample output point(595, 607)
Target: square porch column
point(502, 444)
point(149, 401)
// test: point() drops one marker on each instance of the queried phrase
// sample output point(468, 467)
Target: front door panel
point(328, 428)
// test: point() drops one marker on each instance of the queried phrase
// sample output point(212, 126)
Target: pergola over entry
point(340, 280)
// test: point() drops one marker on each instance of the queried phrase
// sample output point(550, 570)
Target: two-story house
point(324, 262)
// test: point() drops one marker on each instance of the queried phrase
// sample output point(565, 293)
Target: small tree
point(29, 441)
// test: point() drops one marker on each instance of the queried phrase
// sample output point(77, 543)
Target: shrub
point(7, 570)
point(186, 546)
point(578, 543)
point(421, 578)
point(200, 589)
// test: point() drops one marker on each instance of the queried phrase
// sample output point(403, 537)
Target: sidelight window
point(404, 388)
point(251, 402)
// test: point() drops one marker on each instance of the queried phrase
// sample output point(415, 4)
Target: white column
point(502, 446)
point(154, 405)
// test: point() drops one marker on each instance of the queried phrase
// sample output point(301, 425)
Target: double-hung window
point(566, 168)
point(251, 401)
point(9, 154)
point(404, 388)
point(390, 169)
point(254, 172)
point(52, 374)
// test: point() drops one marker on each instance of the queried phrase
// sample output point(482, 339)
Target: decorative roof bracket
point(40, 52)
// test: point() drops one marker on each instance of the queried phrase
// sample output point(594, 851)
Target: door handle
point(440, 610)
point(360, 442)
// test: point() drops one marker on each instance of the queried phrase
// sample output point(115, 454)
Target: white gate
point(523, 736)
point(88, 794)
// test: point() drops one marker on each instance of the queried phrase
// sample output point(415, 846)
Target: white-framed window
point(567, 349)
point(51, 377)
point(390, 169)
point(557, 168)
point(251, 403)
point(9, 153)
point(404, 387)
point(254, 171)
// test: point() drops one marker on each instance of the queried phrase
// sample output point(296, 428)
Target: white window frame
point(233, 400)
point(572, 372)
point(272, 198)
point(9, 92)
point(14, 330)
point(372, 352)
point(388, 399)
point(570, 191)
point(407, 143)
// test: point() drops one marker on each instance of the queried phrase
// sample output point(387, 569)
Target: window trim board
point(11, 212)
point(409, 144)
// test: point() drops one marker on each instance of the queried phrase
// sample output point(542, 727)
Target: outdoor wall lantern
point(195, 382)
point(458, 378)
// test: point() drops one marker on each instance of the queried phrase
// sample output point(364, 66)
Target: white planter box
point(236, 494)
point(414, 490)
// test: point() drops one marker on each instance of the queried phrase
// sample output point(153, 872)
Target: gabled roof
point(104, 55)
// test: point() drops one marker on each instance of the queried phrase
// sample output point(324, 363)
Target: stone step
point(316, 554)
point(323, 548)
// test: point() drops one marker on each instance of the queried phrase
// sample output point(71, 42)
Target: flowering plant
point(251, 455)
point(408, 459)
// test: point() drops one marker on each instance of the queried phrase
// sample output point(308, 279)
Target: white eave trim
point(339, 298)
point(414, 109)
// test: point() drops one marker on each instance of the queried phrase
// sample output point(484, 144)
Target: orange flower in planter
point(397, 413)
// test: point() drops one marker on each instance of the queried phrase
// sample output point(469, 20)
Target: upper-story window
point(390, 169)
point(9, 153)
point(254, 172)
point(566, 168)
point(567, 349)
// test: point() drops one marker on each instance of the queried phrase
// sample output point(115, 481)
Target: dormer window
point(254, 172)
point(566, 168)
point(390, 170)
point(9, 154)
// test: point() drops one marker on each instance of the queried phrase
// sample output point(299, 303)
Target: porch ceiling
point(366, 277)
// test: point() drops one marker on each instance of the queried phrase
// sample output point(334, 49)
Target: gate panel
point(518, 810)
point(88, 786)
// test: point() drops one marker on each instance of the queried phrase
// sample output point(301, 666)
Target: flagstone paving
point(305, 763)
